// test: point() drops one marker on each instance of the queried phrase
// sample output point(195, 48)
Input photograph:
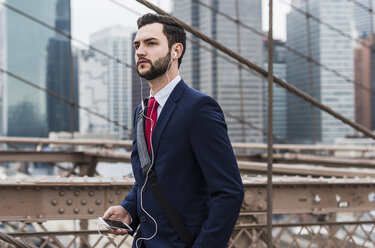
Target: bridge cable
point(108, 56)
point(227, 113)
point(294, 51)
point(62, 98)
point(328, 25)
point(263, 72)
point(69, 101)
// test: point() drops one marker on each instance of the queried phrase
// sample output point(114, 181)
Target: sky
point(90, 16)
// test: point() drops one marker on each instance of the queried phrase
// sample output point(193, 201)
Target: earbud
point(174, 54)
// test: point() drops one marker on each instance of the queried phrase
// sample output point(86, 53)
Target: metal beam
point(56, 198)
point(302, 169)
point(128, 144)
point(64, 156)
point(76, 142)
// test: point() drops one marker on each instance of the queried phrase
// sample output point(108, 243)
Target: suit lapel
point(166, 113)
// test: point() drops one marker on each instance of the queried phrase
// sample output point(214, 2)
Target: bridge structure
point(321, 197)
point(295, 195)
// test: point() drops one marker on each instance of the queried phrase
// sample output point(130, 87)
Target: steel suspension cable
point(240, 79)
point(311, 76)
point(263, 72)
point(64, 99)
point(294, 51)
point(72, 103)
point(67, 35)
point(227, 113)
point(270, 126)
point(330, 26)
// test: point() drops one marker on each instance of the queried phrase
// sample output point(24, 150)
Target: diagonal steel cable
point(263, 72)
point(67, 35)
point(64, 99)
point(71, 102)
point(369, 9)
point(328, 25)
point(223, 56)
point(294, 51)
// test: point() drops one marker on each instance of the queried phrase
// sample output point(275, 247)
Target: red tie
point(152, 114)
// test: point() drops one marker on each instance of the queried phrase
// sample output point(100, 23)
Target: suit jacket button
point(143, 218)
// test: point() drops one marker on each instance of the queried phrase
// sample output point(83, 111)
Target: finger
point(108, 213)
point(121, 232)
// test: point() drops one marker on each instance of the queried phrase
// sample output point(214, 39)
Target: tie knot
point(153, 104)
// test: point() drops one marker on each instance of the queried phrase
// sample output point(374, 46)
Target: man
point(189, 147)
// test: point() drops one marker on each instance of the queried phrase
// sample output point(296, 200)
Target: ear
point(177, 48)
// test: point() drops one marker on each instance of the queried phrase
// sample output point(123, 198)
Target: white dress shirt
point(162, 96)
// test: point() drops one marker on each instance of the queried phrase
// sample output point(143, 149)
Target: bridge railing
point(308, 212)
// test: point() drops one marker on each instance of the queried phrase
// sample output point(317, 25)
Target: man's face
point(152, 53)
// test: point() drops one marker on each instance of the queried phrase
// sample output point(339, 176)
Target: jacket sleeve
point(130, 201)
point(214, 153)
point(130, 204)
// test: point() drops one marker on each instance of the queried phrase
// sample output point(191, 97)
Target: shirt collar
point(162, 96)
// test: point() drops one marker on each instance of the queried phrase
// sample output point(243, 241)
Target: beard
point(158, 68)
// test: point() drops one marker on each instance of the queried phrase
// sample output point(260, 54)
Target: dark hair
point(171, 29)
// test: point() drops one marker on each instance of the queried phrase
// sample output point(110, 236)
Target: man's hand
point(118, 213)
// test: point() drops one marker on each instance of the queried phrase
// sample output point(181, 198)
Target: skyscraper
point(307, 124)
point(93, 92)
point(42, 56)
point(238, 91)
point(140, 86)
point(364, 62)
point(117, 42)
point(279, 94)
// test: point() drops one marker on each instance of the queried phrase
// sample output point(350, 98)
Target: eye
point(151, 43)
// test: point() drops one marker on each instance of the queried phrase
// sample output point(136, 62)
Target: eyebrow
point(146, 40)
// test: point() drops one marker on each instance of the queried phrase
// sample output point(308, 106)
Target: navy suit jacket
point(196, 169)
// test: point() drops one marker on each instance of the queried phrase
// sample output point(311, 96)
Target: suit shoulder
point(197, 97)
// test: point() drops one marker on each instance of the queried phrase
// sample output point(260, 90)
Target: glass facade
point(307, 124)
point(207, 71)
point(279, 93)
point(41, 56)
point(364, 19)
point(117, 41)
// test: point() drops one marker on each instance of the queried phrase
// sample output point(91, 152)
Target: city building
point(117, 42)
point(307, 124)
point(42, 56)
point(93, 92)
point(364, 18)
point(140, 86)
point(238, 90)
point(279, 93)
point(364, 62)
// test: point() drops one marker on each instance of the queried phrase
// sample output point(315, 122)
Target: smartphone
point(116, 224)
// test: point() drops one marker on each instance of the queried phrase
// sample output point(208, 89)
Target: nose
point(140, 52)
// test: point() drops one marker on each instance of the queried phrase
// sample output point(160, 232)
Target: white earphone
point(175, 54)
